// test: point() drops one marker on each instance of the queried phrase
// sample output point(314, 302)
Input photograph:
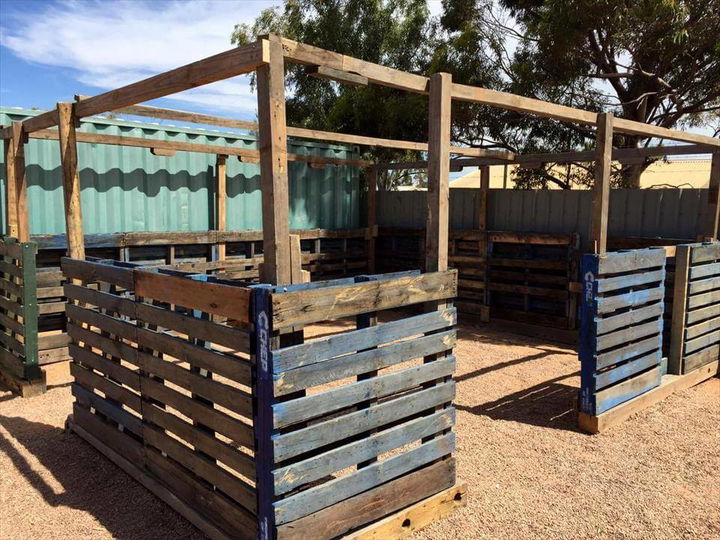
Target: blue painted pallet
point(621, 325)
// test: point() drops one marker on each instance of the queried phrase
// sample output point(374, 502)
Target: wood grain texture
point(601, 187)
point(438, 191)
point(304, 307)
point(273, 166)
point(67, 119)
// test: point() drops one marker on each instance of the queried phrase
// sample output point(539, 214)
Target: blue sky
point(53, 49)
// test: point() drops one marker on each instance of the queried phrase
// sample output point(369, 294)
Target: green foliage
point(656, 61)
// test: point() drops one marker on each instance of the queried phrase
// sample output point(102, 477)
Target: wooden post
point(438, 195)
point(71, 180)
point(371, 217)
point(483, 243)
point(11, 223)
point(273, 166)
point(221, 201)
point(712, 218)
point(601, 189)
point(19, 138)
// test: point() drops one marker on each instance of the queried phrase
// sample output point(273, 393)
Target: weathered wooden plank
point(52, 341)
point(693, 345)
point(339, 489)
point(304, 307)
point(215, 361)
point(696, 360)
point(234, 338)
point(111, 389)
point(634, 260)
point(9, 267)
point(703, 285)
point(11, 306)
point(609, 304)
point(628, 335)
point(414, 518)
point(215, 298)
point(318, 350)
point(231, 427)
point(110, 369)
point(220, 393)
point(229, 520)
point(703, 299)
point(373, 504)
point(354, 364)
point(705, 253)
point(630, 318)
point(90, 272)
point(623, 371)
point(111, 410)
point(304, 472)
point(120, 442)
point(704, 270)
point(203, 467)
point(702, 328)
point(207, 443)
point(305, 408)
point(624, 391)
point(330, 431)
point(631, 280)
point(626, 353)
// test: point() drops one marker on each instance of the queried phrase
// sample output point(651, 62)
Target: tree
point(396, 33)
point(655, 61)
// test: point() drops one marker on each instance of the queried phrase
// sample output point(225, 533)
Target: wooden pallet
point(670, 384)
point(398, 525)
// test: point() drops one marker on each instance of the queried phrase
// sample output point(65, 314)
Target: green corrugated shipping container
point(127, 189)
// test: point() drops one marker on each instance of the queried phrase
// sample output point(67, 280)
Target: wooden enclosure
point(621, 330)
point(623, 367)
point(695, 326)
point(205, 390)
point(526, 278)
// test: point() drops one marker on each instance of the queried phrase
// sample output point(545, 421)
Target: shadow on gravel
point(88, 482)
point(548, 404)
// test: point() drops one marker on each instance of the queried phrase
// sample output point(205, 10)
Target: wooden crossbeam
point(247, 155)
point(345, 77)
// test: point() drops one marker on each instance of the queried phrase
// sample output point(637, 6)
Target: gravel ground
point(530, 473)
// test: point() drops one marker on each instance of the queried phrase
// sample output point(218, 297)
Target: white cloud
point(110, 44)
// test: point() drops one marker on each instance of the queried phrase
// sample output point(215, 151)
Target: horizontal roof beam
point(618, 154)
point(302, 133)
point(157, 144)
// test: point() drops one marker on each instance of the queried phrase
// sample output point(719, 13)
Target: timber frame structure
point(273, 515)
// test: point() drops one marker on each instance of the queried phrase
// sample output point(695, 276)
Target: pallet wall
point(621, 327)
point(521, 277)
point(163, 388)
point(695, 327)
point(362, 416)
point(19, 367)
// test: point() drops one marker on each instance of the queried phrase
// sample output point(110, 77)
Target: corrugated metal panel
point(129, 189)
point(668, 213)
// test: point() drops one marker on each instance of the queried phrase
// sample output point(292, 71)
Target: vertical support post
point(678, 321)
point(30, 311)
point(273, 166)
point(438, 196)
point(263, 412)
point(601, 189)
point(19, 180)
point(10, 191)
point(71, 180)
point(221, 201)
point(371, 217)
point(712, 218)
point(483, 243)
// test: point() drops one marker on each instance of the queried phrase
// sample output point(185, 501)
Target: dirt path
point(530, 473)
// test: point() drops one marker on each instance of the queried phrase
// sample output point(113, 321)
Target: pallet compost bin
point(207, 392)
